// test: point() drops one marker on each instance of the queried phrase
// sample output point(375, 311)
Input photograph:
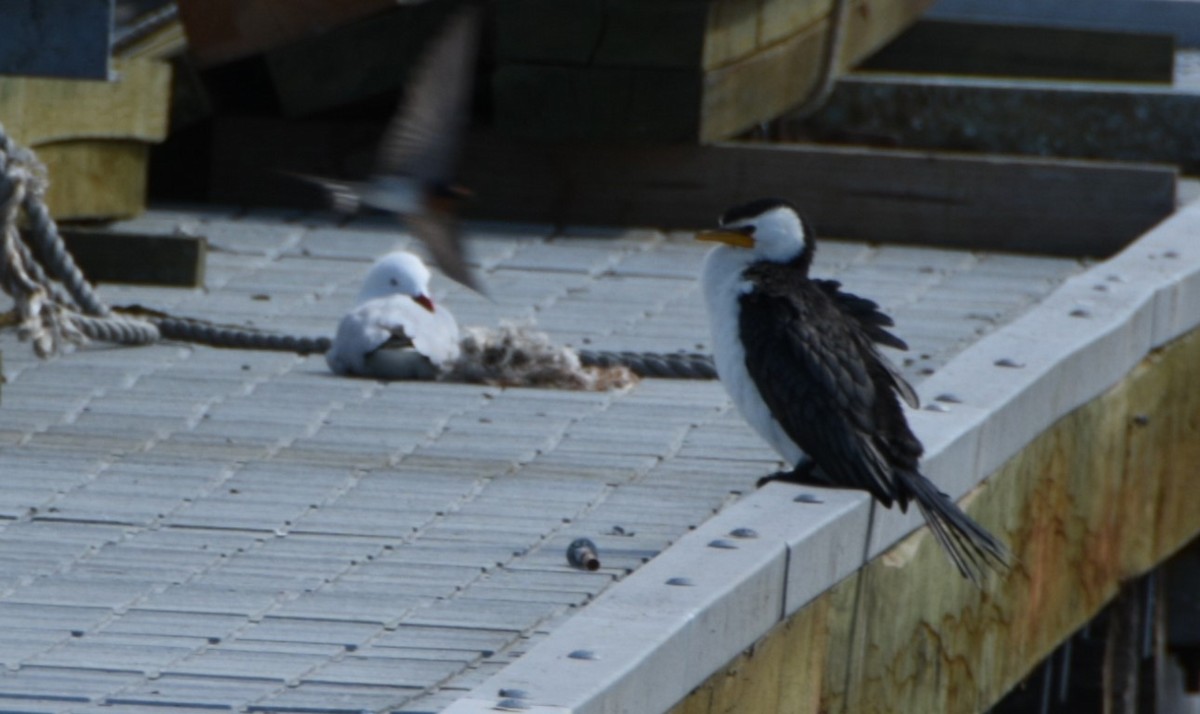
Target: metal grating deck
point(205, 529)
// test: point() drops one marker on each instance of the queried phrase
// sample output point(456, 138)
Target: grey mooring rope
point(50, 250)
point(682, 365)
point(57, 306)
point(199, 332)
point(48, 315)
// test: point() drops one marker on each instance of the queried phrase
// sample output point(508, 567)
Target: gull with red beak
point(416, 160)
point(395, 331)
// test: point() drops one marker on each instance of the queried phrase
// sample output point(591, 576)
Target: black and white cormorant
point(799, 358)
point(414, 171)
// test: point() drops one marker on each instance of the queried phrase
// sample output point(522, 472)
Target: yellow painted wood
point(732, 32)
point(1100, 497)
point(39, 110)
point(94, 179)
point(165, 42)
point(784, 72)
point(780, 19)
point(761, 87)
point(92, 136)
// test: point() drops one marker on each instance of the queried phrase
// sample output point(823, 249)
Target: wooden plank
point(556, 103)
point(948, 47)
point(731, 33)
point(780, 19)
point(1179, 19)
point(1019, 117)
point(109, 257)
point(38, 110)
point(601, 33)
point(95, 179)
point(220, 31)
point(938, 199)
point(327, 71)
point(93, 137)
point(56, 38)
point(754, 65)
point(1090, 503)
point(783, 75)
point(159, 36)
point(758, 89)
point(895, 196)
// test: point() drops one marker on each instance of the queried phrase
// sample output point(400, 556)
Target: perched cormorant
point(799, 358)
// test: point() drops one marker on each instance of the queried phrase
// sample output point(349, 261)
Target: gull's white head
point(768, 229)
point(398, 273)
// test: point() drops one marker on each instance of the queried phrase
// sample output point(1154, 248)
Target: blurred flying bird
point(417, 157)
point(798, 356)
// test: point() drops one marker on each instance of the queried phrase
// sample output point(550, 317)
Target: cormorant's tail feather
point(971, 548)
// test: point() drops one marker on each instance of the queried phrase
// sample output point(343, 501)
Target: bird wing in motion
point(344, 196)
point(438, 230)
point(423, 137)
point(822, 379)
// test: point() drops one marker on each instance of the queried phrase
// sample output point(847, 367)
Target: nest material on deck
point(519, 356)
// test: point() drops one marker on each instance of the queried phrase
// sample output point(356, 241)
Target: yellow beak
point(733, 238)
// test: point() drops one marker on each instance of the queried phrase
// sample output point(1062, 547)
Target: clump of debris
point(514, 355)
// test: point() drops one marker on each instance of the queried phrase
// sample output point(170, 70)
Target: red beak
point(424, 301)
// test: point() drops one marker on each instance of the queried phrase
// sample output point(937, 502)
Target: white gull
point(396, 331)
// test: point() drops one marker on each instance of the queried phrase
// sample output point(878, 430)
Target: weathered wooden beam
point(93, 136)
point(1180, 19)
point(1123, 651)
point(109, 257)
point(938, 199)
point(557, 103)
point(729, 65)
point(95, 178)
point(976, 48)
point(1043, 118)
point(678, 34)
point(38, 110)
point(1091, 502)
point(987, 203)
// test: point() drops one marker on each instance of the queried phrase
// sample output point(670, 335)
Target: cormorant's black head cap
point(754, 208)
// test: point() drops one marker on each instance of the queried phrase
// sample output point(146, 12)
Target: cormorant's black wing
point(819, 373)
point(866, 311)
point(873, 322)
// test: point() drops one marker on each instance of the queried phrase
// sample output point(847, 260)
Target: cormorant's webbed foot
point(802, 474)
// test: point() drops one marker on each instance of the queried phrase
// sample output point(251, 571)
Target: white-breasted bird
point(395, 331)
point(414, 168)
point(799, 358)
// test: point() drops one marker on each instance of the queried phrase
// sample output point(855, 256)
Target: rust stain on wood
point(1098, 498)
